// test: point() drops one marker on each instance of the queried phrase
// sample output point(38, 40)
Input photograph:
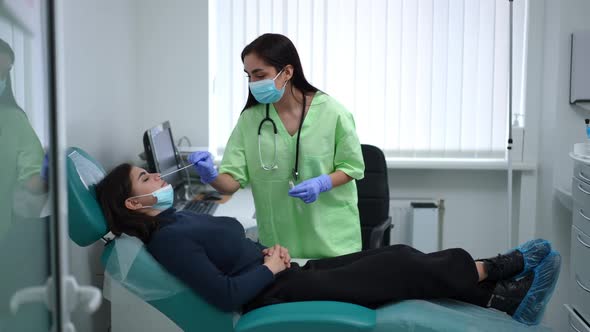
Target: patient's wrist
point(270, 268)
point(274, 269)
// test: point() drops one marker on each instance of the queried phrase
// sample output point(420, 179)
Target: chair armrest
point(382, 227)
point(374, 234)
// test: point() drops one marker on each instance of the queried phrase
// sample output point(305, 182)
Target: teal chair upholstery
point(191, 313)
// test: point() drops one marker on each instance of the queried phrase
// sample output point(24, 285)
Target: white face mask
point(164, 197)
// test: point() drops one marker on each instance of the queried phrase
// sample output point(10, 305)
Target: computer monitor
point(161, 153)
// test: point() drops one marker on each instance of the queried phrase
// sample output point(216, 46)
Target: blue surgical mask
point(2, 86)
point(164, 197)
point(265, 91)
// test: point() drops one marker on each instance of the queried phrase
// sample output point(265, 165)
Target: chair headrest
point(86, 220)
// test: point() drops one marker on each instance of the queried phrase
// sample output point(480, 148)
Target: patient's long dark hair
point(111, 193)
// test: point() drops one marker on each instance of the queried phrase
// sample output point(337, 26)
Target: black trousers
point(375, 277)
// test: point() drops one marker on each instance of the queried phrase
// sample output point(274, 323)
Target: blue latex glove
point(203, 162)
point(309, 190)
point(45, 169)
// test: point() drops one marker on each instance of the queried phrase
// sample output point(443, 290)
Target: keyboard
point(203, 207)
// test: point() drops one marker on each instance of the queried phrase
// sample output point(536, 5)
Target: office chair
point(191, 313)
point(373, 198)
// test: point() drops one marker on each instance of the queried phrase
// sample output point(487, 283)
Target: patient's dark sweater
point(212, 256)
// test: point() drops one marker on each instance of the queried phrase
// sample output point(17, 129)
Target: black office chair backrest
point(373, 189)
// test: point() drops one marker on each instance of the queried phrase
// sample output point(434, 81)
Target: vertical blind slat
point(365, 78)
point(408, 76)
point(454, 79)
point(470, 75)
point(439, 76)
point(304, 32)
point(393, 58)
point(483, 116)
point(378, 77)
point(423, 76)
point(500, 107)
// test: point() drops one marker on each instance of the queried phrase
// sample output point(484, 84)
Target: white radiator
point(417, 223)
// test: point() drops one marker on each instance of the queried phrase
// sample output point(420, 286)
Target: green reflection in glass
point(24, 244)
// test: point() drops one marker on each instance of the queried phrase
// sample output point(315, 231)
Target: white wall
point(100, 106)
point(129, 66)
point(100, 77)
point(172, 76)
point(475, 205)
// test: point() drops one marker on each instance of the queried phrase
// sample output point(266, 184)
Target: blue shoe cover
point(533, 253)
point(531, 309)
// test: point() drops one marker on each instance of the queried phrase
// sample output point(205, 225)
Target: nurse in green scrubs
point(298, 150)
point(21, 183)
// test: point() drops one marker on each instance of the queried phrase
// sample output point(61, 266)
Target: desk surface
point(240, 206)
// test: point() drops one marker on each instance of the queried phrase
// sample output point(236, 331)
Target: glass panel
point(25, 253)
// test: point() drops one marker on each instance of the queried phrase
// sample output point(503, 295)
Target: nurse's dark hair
point(111, 192)
point(278, 51)
point(7, 97)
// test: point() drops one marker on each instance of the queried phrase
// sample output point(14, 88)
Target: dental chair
point(191, 313)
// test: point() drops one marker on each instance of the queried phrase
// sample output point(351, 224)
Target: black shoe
point(508, 294)
point(504, 266)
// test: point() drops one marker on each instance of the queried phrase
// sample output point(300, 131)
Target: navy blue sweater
point(212, 256)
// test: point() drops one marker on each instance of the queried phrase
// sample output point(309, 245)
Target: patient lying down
point(213, 257)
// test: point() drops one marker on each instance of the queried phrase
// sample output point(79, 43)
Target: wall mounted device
point(580, 67)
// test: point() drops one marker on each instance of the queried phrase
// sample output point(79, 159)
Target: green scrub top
point(328, 227)
point(22, 157)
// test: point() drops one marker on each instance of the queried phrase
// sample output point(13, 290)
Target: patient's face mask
point(265, 91)
point(164, 197)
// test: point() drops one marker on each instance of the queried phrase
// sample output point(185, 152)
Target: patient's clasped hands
point(277, 258)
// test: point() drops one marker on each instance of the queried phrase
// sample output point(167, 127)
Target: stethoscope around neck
point(274, 164)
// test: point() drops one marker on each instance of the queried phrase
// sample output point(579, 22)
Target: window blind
point(423, 78)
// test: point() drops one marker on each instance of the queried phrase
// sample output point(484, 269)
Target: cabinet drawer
point(576, 324)
point(580, 272)
point(582, 171)
point(581, 216)
point(581, 192)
